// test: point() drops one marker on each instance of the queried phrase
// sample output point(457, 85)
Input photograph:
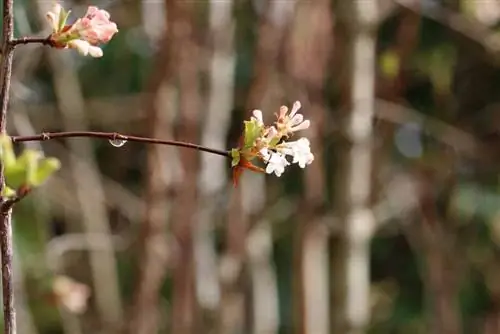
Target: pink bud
point(95, 27)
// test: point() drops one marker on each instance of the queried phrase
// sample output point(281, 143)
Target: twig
point(113, 136)
point(8, 202)
point(31, 40)
point(6, 213)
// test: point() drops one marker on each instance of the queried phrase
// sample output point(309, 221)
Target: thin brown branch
point(6, 215)
point(31, 40)
point(114, 136)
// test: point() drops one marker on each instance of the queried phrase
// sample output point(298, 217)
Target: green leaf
point(8, 192)
point(45, 169)
point(28, 161)
point(252, 131)
point(7, 151)
point(63, 17)
point(235, 154)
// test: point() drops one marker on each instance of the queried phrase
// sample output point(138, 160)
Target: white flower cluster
point(276, 152)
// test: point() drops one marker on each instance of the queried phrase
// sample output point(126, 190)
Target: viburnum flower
point(268, 143)
point(85, 34)
point(292, 122)
point(276, 162)
point(300, 150)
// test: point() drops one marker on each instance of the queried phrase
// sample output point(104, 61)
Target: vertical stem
point(6, 215)
point(7, 50)
point(8, 292)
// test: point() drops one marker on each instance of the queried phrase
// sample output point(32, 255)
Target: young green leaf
point(45, 169)
point(235, 154)
point(63, 17)
point(8, 192)
point(7, 151)
point(252, 131)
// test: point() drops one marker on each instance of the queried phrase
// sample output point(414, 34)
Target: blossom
point(55, 16)
point(276, 162)
point(257, 116)
point(264, 142)
point(95, 27)
point(85, 33)
point(292, 122)
point(85, 48)
point(300, 150)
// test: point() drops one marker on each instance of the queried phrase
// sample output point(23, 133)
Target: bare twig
point(31, 40)
point(113, 136)
point(6, 213)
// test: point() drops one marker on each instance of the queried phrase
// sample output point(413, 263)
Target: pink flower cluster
point(85, 34)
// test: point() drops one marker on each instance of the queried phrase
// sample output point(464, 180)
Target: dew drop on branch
point(117, 142)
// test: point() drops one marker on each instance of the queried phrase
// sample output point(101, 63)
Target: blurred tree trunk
point(440, 274)
point(308, 52)
point(351, 249)
point(182, 24)
point(213, 174)
point(153, 246)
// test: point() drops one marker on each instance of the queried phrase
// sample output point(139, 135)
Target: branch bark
point(6, 214)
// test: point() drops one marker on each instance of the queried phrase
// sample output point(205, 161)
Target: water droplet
point(117, 142)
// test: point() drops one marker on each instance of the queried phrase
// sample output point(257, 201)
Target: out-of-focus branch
point(481, 35)
point(351, 250)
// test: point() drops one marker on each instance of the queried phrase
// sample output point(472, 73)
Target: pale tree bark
point(309, 50)
point(351, 249)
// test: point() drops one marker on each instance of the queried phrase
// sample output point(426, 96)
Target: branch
point(31, 40)
point(113, 136)
point(6, 213)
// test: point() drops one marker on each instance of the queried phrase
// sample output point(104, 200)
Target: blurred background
point(395, 227)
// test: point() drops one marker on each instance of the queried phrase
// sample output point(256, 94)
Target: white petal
point(95, 51)
point(53, 14)
point(295, 108)
point(297, 119)
point(81, 46)
point(258, 115)
point(302, 126)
